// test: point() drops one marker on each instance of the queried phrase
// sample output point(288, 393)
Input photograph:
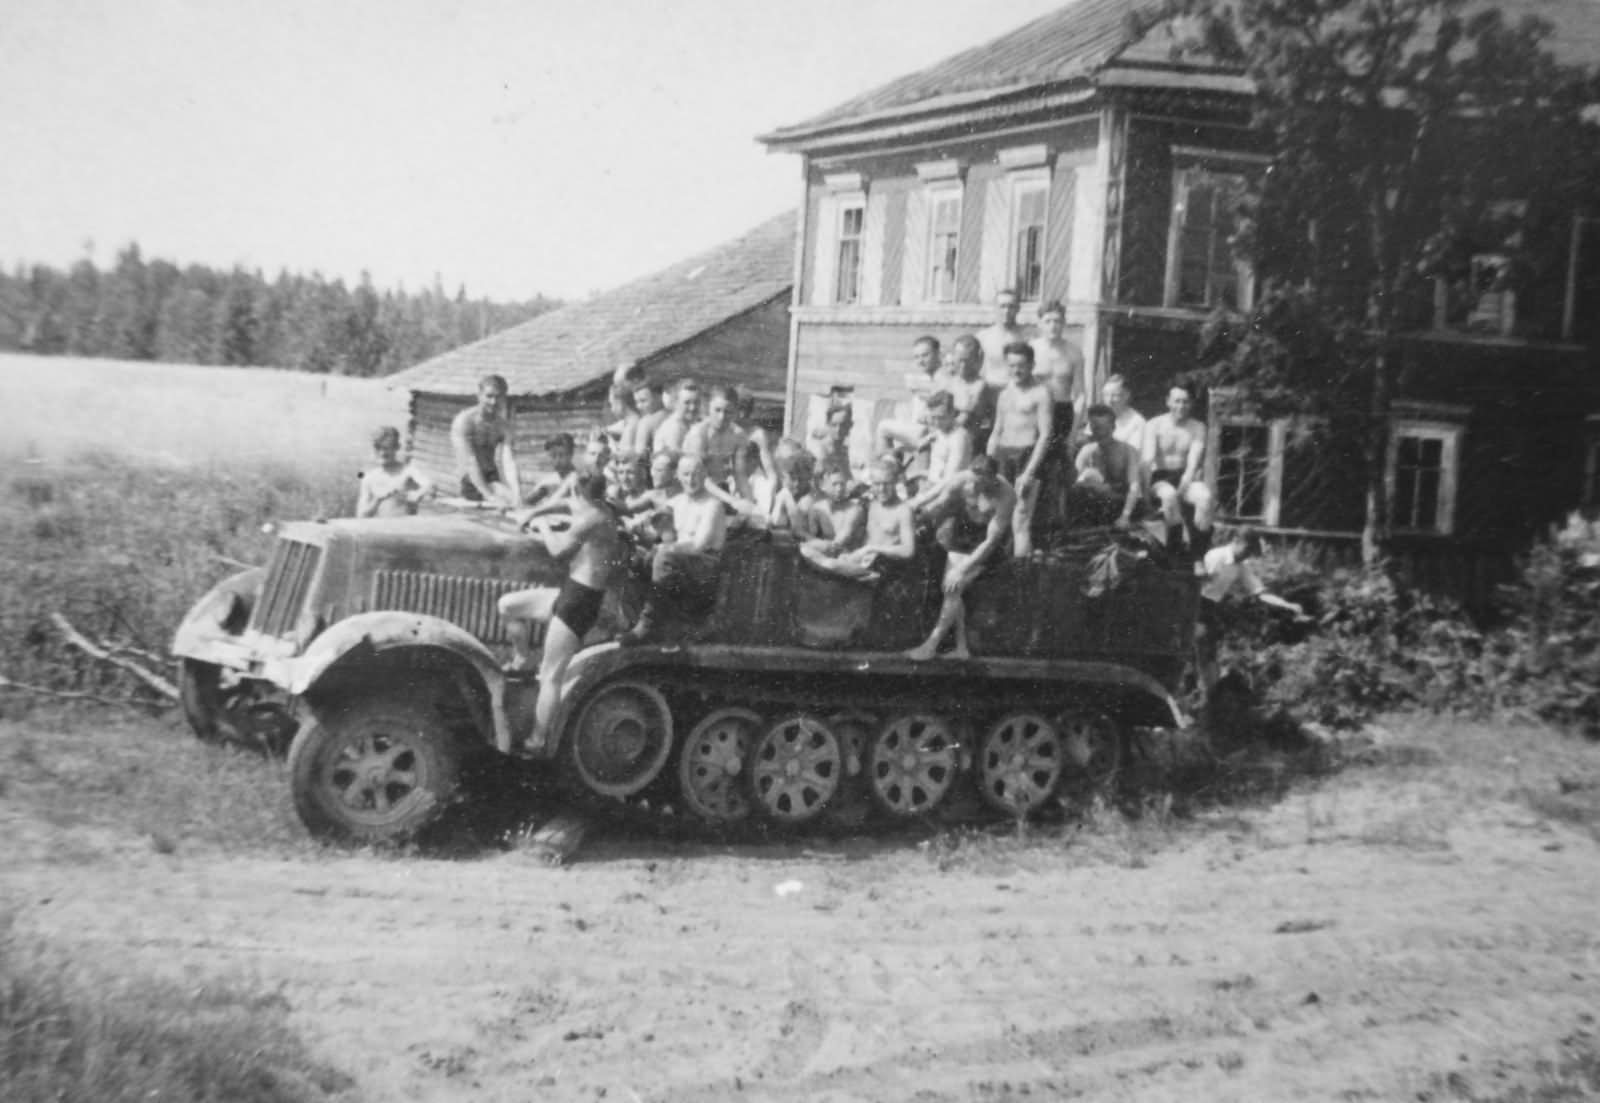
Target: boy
point(792, 505)
point(392, 489)
point(891, 536)
point(556, 485)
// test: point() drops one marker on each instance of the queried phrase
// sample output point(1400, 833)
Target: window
point(1030, 200)
point(944, 239)
point(1201, 269)
point(1422, 476)
point(1248, 475)
point(847, 268)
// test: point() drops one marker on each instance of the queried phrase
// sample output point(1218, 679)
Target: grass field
point(180, 415)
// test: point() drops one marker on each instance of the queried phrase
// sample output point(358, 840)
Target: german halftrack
point(373, 650)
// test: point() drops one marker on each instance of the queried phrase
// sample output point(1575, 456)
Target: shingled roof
point(576, 346)
point(1089, 42)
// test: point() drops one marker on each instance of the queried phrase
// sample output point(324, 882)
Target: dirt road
point(1396, 932)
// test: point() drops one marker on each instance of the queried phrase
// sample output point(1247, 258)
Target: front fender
point(387, 631)
point(223, 612)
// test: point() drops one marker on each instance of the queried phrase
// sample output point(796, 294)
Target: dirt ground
point(1420, 927)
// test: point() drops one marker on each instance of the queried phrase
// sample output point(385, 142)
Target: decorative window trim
point(1449, 434)
point(1277, 442)
point(844, 182)
point(936, 172)
point(1186, 161)
point(1018, 158)
point(825, 266)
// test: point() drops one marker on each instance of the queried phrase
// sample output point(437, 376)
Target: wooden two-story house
point(1074, 159)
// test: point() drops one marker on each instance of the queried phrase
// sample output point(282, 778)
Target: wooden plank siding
point(533, 422)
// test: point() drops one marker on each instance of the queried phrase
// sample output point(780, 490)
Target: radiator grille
point(466, 602)
point(288, 583)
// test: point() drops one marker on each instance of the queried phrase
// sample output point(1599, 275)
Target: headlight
point(222, 608)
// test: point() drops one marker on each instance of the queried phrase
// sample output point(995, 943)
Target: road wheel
point(912, 764)
point(224, 708)
point(711, 761)
point(1020, 762)
point(622, 739)
point(794, 769)
point(374, 771)
point(1091, 744)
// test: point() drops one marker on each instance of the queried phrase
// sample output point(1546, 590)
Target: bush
point(1379, 645)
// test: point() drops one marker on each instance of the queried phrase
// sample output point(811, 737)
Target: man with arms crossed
point(683, 570)
point(594, 544)
point(1174, 449)
point(480, 436)
point(1024, 418)
point(976, 510)
point(911, 433)
point(675, 426)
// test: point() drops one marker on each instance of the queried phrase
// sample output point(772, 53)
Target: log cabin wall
point(533, 421)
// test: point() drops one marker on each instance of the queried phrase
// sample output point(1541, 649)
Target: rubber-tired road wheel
point(912, 764)
point(794, 769)
point(1091, 744)
point(374, 771)
point(711, 761)
point(622, 739)
point(1020, 763)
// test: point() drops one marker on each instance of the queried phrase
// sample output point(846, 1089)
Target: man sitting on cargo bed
point(974, 529)
point(480, 436)
point(593, 542)
point(685, 566)
point(1109, 488)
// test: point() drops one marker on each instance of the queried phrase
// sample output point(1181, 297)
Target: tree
point(1403, 134)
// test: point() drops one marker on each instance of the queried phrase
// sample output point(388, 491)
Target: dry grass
point(72, 1035)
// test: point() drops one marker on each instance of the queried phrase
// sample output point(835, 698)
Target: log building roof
point(578, 346)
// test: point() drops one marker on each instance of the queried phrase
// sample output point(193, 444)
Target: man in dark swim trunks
point(594, 544)
point(975, 530)
point(480, 436)
point(1023, 427)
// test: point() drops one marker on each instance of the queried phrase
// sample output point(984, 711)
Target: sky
point(519, 147)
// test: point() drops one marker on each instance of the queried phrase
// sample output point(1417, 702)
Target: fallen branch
point(124, 702)
point(229, 561)
point(84, 644)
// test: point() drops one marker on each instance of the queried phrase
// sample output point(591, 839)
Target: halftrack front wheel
point(224, 708)
point(794, 770)
point(1020, 763)
point(1091, 744)
point(622, 739)
point(912, 764)
point(711, 761)
point(375, 771)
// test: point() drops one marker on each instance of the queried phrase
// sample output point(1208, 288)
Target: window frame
point(1272, 492)
point(846, 205)
point(934, 194)
point(1188, 163)
point(1449, 434)
point(1026, 182)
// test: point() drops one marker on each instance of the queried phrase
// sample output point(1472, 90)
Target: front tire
point(374, 771)
point(245, 712)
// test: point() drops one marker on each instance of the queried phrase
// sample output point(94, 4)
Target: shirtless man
point(977, 510)
point(557, 484)
point(791, 506)
point(721, 443)
point(995, 339)
point(949, 455)
point(1024, 418)
point(675, 426)
point(974, 397)
point(652, 412)
point(1174, 449)
point(1130, 422)
point(831, 449)
point(593, 543)
point(480, 437)
point(911, 432)
point(1108, 486)
point(684, 567)
point(837, 523)
point(891, 531)
point(1058, 364)
point(392, 488)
